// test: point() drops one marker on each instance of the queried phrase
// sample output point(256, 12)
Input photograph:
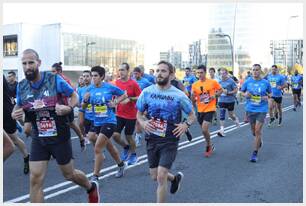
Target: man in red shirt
point(126, 114)
point(57, 69)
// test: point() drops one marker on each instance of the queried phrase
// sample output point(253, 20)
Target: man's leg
point(271, 111)
point(37, 176)
point(8, 146)
point(19, 143)
point(101, 142)
point(162, 177)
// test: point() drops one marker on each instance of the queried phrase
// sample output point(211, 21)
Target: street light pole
point(86, 51)
point(287, 40)
point(232, 49)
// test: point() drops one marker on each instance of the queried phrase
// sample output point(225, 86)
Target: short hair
point(202, 66)
point(257, 65)
point(12, 72)
point(100, 70)
point(137, 69)
point(170, 66)
point(224, 69)
point(188, 68)
point(58, 66)
point(274, 66)
point(87, 71)
point(127, 66)
point(31, 51)
point(212, 69)
point(141, 67)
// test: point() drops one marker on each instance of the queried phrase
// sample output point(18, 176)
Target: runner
point(212, 75)
point(188, 80)
point(100, 95)
point(227, 100)
point(57, 69)
point(204, 93)
point(163, 105)
point(256, 91)
point(277, 83)
point(10, 127)
point(143, 83)
point(38, 100)
point(126, 115)
point(296, 85)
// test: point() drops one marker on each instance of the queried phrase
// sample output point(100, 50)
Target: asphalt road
point(226, 177)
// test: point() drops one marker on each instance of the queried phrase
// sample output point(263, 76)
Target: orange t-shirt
point(202, 91)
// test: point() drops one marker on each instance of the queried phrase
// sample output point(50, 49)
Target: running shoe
point(209, 150)
point(93, 193)
point(279, 122)
point(237, 122)
point(120, 171)
point(26, 166)
point(221, 133)
point(254, 157)
point(125, 154)
point(294, 109)
point(176, 183)
point(132, 159)
point(271, 123)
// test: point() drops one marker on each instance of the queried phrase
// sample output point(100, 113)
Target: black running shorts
point(61, 151)
point(127, 124)
point(106, 129)
point(161, 153)
point(205, 116)
point(278, 100)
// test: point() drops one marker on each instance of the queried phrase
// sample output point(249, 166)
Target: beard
point(31, 75)
point(162, 82)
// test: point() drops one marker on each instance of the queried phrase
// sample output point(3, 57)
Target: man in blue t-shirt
point(278, 83)
point(38, 99)
point(100, 96)
point(256, 91)
point(188, 80)
point(160, 109)
point(296, 85)
point(227, 100)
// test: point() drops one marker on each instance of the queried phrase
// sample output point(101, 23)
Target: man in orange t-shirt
point(203, 94)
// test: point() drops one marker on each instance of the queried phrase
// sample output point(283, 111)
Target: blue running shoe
point(254, 157)
point(125, 154)
point(132, 159)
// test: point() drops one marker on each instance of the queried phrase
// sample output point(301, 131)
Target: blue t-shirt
point(296, 81)
point(275, 81)
point(99, 100)
point(188, 81)
point(149, 77)
point(62, 87)
point(88, 111)
point(143, 83)
point(229, 85)
point(257, 88)
point(164, 108)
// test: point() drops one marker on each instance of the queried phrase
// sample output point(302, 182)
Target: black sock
point(255, 151)
point(26, 159)
point(92, 187)
point(121, 164)
point(272, 119)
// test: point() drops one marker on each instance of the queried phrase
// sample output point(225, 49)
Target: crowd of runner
point(133, 108)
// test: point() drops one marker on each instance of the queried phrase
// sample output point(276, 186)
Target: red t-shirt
point(128, 111)
point(69, 82)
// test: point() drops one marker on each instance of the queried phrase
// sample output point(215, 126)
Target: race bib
point(101, 111)
point(273, 84)
point(204, 98)
point(46, 124)
point(89, 108)
point(255, 99)
point(186, 83)
point(160, 127)
point(295, 86)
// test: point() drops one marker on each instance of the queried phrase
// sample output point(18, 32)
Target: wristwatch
point(187, 123)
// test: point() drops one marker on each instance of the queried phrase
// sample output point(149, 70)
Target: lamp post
point(86, 51)
point(287, 41)
point(232, 48)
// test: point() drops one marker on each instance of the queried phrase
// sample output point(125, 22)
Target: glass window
point(10, 45)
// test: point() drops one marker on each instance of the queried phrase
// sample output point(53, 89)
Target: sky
point(158, 25)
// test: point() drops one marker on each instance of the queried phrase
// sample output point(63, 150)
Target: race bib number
point(255, 100)
point(273, 84)
point(101, 111)
point(160, 127)
point(204, 98)
point(89, 108)
point(295, 86)
point(46, 124)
